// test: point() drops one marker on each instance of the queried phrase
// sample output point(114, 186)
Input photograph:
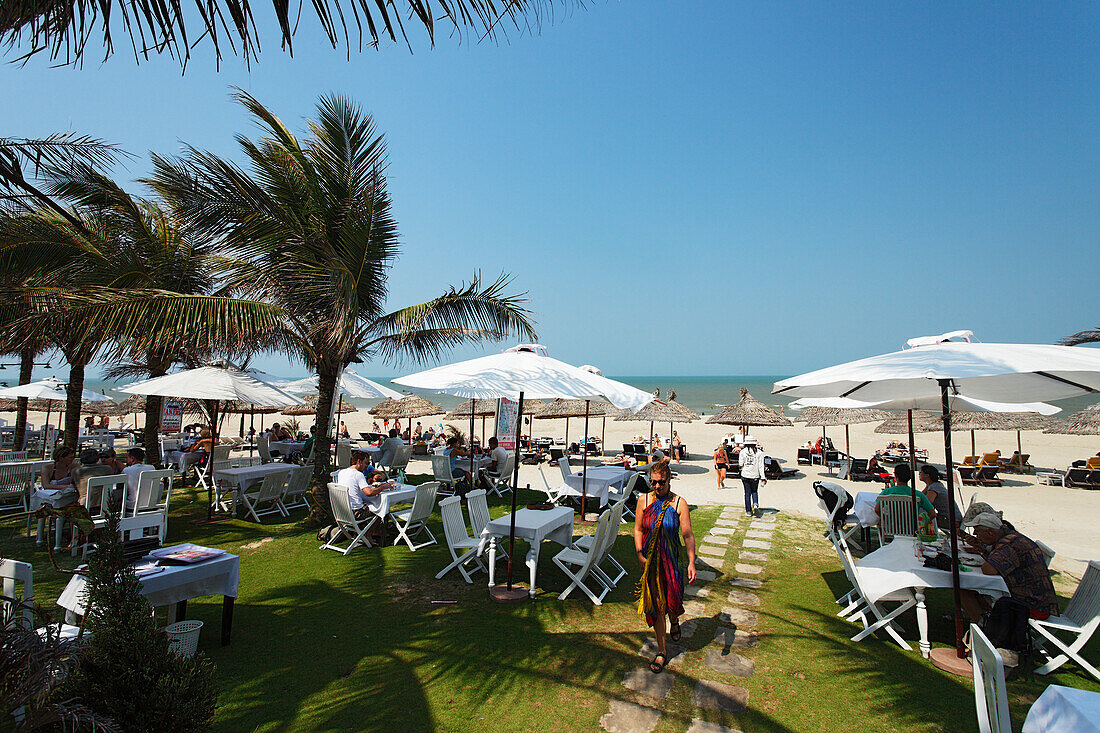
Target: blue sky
point(707, 188)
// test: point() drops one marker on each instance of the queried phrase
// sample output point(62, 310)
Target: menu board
point(171, 417)
point(507, 414)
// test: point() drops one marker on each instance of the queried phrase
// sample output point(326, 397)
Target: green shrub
point(126, 669)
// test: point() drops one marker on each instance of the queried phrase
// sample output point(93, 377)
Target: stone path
point(737, 623)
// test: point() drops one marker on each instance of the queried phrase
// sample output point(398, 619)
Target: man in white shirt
point(135, 464)
point(499, 456)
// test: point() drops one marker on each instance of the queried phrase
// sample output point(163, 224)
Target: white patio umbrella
point(522, 371)
point(52, 390)
point(936, 368)
point(213, 385)
point(350, 385)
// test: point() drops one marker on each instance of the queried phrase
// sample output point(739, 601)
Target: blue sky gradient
point(695, 188)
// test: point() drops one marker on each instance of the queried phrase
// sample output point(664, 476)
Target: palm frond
point(1081, 337)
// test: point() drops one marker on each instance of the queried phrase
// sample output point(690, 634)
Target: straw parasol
point(9, 405)
point(470, 409)
point(309, 407)
point(654, 412)
point(824, 417)
point(410, 407)
point(923, 422)
point(749, 411)
point(560, 408)
point(998, 421)
point(1085, 422)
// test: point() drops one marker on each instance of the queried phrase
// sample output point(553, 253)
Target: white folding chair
point(103, 494)
point(585, 561)
point(1079, 620)
point(350, 527)
point(478, 507)
point(15, 487)
point(895, 517)
point(343, 455)
point(1048, 553)
point(263, 445)
point(625, 495)
point(154, 493)
point(13, 455)
point(552, 494)
point(13, 574)
point(990, 690)
point(267, 499)
point(566, 470)
point(441, 473)
point(860, 608)
point(136, 527)
point(586, 542)
point(463, 548)
point(499, 482)
point(413, 522)
point(297, 486)
point(400, 461)
point(838, 517)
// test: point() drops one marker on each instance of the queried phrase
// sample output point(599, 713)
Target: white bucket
point(183, 637)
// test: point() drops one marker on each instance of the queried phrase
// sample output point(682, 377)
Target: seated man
point(389, 447)
point(1018, 560)
point(498, 456)
point(89, 467)
point(307, 446)
point(363, 491)
point(903, 474)
point(135, 464)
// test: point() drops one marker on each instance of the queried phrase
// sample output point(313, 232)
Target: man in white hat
point(751, 461)
point(1015, 558)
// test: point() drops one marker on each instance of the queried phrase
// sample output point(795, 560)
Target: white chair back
point(441, 469)
point(15, 483)
point(1048, 554)
point(263, 445)
point(169, 444)
point(221, 453)
point(298, 483)
point(424, 502)
point(343, 455)
point(401, 458)
point(478, 506)
point(990, 696)
point(102, 492)
point(599, 542)
point(154, 491)
point(563, 464)
point(1084, 606)
point(896, 516)
point(341, 508)
point(134, 527)
point(272, 487)
point(14, 455)
point(13, 574)
point(454, 526)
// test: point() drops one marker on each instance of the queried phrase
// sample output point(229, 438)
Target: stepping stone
point(728, 636)
point(712, 550)
point(675, 651)
point(747, 583)
point(626, 717)
point(733, 616)
point(699, 725)
point(750, 569)
point(643, 680)
point(693, 608)
point(723, 530)
point(696, 591)
point(716, 540)
point(729, 663)
point(717, 696)
point(707, 563)
point(705, 575)
point(743, 598)
point(723, 522)
point(757, 544)
point(753, 556)
point(755, 534)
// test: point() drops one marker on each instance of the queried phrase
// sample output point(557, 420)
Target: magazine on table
point(187, 553)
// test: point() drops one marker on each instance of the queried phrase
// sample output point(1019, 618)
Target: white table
point(534, 526)
point(174, 586)
point(600, 480)
point(1064, 709)
point(245, 476)
point(895, 567)
point(286, 447)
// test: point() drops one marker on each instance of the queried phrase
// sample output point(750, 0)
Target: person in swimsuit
point(720, 464)
point(677, 447)
point(58, 475)
point(659, 521)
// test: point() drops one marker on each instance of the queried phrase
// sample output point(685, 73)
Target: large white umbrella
point(213, 385)
point(350, 385)
point(522, 371)
point(52, 390)
point(940, 369)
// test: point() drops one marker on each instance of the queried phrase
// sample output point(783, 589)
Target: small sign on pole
point(171, 417)
point(507, 415)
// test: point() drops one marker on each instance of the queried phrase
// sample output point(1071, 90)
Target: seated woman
point(875, 469)
point(58, 473)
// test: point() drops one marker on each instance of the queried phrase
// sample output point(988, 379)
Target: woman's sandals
point(656, 667)
point(674, 631)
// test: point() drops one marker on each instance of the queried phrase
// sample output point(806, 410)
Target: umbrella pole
point(510, 594)
point(913, 468)
point(973, 446)
point(1019, 445)
point(584, 462)
point(252, 428)
point(603, 435)
point(473, 471)
point(567, 438)
point(46, 428)
point(960, 649)
point(847, 442)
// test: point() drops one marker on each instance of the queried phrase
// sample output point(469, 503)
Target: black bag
point(1006, 625)
point(830, 499)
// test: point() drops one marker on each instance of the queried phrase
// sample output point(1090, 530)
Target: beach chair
point(804, 457)
point(350, 527)
point(1078, 477)
point(584, 560)
point(585, 542)
point(987, 476)
point(895, 518)
point(990, 690)
point(970, 461)
point(463, 548)
point(499, 482)
point(1079, 621)
point(1093, 464)
point(267, 499)
point(858, 470)
point(556, 454)
point(15, 487)
point(967, 475)
point(441, 473)
point(413, 522)
point(297, 489)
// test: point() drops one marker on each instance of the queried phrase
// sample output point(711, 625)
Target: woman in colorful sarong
point(660, 520)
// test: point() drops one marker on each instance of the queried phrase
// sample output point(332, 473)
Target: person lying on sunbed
point(620, 460)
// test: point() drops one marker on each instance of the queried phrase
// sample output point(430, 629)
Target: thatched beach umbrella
point(998, 421)
point(656, 411)
point(471, 409)
point(9, 405)
point(749, 412)
point(1085, 422)
point(559, 408)
point(898, 423)
point(309, 407)
point(824, 417)
point(409, 408)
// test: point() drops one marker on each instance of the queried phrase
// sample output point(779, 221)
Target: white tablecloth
point(245, 476)
point(286, 447)
point(1064, 709)
point(895, 566)
point(401, 494)
point(534, 526)
point(56, 498)
point(864, 508)
point(600, 479)
point(175, 583)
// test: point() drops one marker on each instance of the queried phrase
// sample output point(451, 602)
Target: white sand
point(1060, 517)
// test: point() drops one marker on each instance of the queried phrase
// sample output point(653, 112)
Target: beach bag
point(830, 499)
point(1006, 625)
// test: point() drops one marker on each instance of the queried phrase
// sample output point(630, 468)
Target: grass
point(324, 642)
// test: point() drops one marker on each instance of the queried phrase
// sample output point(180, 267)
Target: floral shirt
point(1019, 561)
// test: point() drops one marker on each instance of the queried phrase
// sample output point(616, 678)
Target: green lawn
point(324, 642)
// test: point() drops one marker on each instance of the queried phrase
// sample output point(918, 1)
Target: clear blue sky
point(697, 188)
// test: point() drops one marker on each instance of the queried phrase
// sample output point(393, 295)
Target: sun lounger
point(987, 476)
point(859, 472)
point(968, 475)
point(804, 456)
point(1018, 463)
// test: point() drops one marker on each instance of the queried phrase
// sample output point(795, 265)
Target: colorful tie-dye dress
point(661, 589)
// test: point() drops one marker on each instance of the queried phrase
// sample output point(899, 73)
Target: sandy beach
point(1063, 518)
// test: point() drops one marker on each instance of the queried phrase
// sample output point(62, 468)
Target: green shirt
point(898, 490)
point(308, 445)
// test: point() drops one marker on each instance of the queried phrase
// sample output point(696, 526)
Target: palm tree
point(1082, 337)
point(311, 224)
point(64, 27)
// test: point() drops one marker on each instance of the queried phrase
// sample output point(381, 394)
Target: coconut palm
point(64, 27)
point(311, 221)
point(1091, 336)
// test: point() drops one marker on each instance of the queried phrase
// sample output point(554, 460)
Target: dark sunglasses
point(658, 481)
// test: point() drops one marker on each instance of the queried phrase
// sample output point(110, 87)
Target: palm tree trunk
point(151, 432)
point(327, 375)
point(73, 393)
point(26, 369)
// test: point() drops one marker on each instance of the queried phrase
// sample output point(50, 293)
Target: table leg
point(180, 611)
point(533, 565)
point(492, 562)
point(922, 623)
point(227, 618)
point(58, 526)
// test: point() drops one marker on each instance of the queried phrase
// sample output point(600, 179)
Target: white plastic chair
point(154, 494)
point(624, 495)
point(463, 548)
point(135, 527)
point(990, 691)
point(413, 522)
point(441, 473)
point(103, 494)
point(1080, 620)
point(13, 574)
point(1048, 553)
point(586, 541)
point(401, 458)
point(350, 527)
point(566, 470)
point(478, 507)
point(551, 494)
point(297, 486)
point(860, 607)
point(499, 482)
point(15, 486)
point(343, 455)
point(585, 561)
point(12, 456)
point(895, 517)
point(267, 499)
point(263, 445)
